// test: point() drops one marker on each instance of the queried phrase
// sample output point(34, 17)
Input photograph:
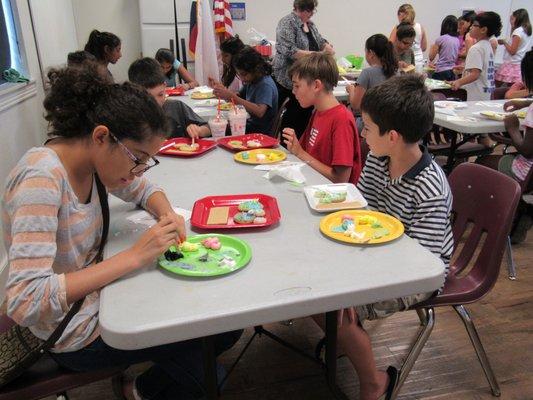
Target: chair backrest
point(499, 93)
point(484, 202)
point(276, 126)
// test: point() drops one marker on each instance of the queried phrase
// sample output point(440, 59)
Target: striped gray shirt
point(421, 199)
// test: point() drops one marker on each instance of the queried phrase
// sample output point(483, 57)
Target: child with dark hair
point(478, 76)
point(81, 57)
point(509, 71)
point(228, 49)
point(447, 48)
point(183, 121)
point(380, 55)
point(106, 47)
point(401, 179)
point(173, 69)
point(259, 95)
point(330, 143)
point(405, 37)
point(103, 136)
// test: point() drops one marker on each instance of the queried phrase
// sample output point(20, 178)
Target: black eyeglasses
point(140, 167)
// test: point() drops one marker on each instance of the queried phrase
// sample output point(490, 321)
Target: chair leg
point(480, 351)
point(511, 266)
point(427, 320)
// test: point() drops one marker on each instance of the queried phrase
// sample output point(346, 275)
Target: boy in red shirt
point(330, 144)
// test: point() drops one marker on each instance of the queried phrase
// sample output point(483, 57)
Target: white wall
point(53, 45)
point(120, 17)
point(21, 123)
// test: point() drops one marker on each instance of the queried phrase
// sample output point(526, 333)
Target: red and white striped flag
point(223, 22)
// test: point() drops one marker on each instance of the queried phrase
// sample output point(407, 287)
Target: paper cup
point(217, 127)
point(237, 122)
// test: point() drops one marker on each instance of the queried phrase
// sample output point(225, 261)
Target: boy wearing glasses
point(405, 37)
point(478, 78)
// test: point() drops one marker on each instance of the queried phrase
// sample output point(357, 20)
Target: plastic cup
point(217, 127)
point(237, 121)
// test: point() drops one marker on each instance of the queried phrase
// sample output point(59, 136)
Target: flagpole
point(176, 31)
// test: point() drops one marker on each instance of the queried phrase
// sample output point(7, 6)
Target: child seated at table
point(446, 47)
point(380, 55)
point(330, 144)
point(400, 179)
point(173, 69)
point(102, 136)
point(228, 49)
point(183, 121)
point(259, 94)
point(405, 37)
point(478, 75)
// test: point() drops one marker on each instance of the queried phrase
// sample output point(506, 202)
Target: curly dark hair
point(98, 41)
point(80, 99)
point(249, 60)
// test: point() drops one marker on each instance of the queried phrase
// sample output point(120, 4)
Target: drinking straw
point(234, 106)
point(218, 110)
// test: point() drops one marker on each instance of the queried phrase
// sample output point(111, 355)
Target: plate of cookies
point(247, 142)
point(184, 147)
point(235, 211)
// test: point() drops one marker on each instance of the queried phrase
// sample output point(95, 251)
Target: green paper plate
point(190, 265)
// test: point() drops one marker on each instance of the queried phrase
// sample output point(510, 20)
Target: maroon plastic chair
point(47, 378)
point(484, 203)
point(276, 126)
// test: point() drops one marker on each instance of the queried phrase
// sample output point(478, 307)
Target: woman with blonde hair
point(406, 13)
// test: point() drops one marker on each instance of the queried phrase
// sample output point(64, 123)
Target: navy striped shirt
point(421, 199)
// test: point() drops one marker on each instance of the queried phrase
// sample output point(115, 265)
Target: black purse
point(19, 348)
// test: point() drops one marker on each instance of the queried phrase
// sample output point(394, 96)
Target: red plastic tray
point(205, 145)
point(266, 141)
point(177, 91)
point(200, 210)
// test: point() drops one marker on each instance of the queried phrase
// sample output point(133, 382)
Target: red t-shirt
point(331, 137)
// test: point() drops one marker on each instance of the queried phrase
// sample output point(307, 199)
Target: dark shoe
point(393, 374)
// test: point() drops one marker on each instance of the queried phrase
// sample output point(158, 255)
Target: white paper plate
point(354, 198)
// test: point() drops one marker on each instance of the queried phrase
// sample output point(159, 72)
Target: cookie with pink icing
point(212, 243)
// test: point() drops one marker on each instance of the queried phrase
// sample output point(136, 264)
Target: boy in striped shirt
point(401, 179)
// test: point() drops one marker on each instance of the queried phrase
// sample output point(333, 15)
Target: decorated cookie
point(211, 243)
point(236, 144)
point(261, 157)
point(367, 220)
point(173, 254)
point(189, 247)
point(250, 205)
point(273, 156)
point(243, 218)
point(260, 220)
point(253, 143)
point(245, 155)
point(187, 147)
point(257, 212)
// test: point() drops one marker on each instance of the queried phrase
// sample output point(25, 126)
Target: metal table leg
point(331, 355)
point(210, 368)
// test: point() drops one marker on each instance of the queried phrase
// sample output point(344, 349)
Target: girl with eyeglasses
point(103, 137)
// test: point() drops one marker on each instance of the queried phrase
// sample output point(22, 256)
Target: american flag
point(223, 22)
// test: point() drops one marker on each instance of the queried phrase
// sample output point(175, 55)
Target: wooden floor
point(446, 369)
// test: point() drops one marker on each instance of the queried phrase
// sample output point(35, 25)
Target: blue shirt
point(170, 79)
point(263, 91)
